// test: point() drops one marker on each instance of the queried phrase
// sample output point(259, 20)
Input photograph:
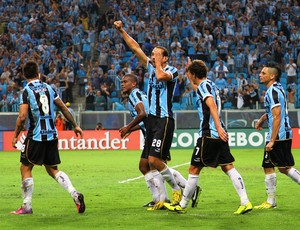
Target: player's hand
point(258, 125)
point(158, 58)
point(124, 131)
point(78, 130)
point(223, 134)
point(269, 146)
point(118, 24)
point(14, 142)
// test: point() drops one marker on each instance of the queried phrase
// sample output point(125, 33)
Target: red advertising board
point(296, 138)
point(104, 139)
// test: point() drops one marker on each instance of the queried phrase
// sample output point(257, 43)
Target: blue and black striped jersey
point(207, 125)
point(40, 98)
point(160, 94)
point(275, 96)
point(137, 96)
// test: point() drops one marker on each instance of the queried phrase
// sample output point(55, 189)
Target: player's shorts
point(211, 152)
point(144, 152)
point(280, 156)
point(40, 152)
point(159, 137)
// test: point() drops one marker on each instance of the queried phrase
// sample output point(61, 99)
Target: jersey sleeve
point(204, 90)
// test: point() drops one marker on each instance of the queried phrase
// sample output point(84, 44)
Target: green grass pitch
point(114, 205)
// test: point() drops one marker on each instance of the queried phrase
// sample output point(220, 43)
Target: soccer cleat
point(176, 196)
point(22, 211)
point(150, 204)
point(196, 196)
point(79, 201)
point(157, 206)
point(243, 209)
point(175, 208)
point(265, 205)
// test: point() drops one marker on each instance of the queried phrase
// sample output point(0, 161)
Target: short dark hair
point(275, 69)
point(132, 78)
point(31, 70)
point(198, 68)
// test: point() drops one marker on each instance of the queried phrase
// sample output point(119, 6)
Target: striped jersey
point(275, 96)
point(207, 125)
point(40, 98)
point(160, 93)
point(137, 96)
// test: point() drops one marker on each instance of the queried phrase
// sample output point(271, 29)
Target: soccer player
point(138, 108)
point(40, 146)
point(277, 152)
point(212, 147)
point(160, 121)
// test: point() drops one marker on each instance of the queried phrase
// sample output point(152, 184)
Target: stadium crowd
point(77, 45)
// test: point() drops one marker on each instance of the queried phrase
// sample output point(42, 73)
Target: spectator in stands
point(220, 81)
point(100, 102)
point(90, 98)
point(82, 80)
point(221, 69)
point(291, 70)
point(59, 122)
point(291, 97)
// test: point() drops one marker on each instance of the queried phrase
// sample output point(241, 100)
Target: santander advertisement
point(67, 140)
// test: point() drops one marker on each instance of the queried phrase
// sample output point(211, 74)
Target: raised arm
point(133, 45)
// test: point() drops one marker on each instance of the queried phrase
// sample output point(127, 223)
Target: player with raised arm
point(40, 146)
point(160, 122)
point(277, 152)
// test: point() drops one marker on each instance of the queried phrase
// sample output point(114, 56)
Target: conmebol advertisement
point(110, 139)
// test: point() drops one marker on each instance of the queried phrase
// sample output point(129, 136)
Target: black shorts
point(40, 152)
point(280, 156)
point(159, 137)
point(144, 152)
point(211, 152)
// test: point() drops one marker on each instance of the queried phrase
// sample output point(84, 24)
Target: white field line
point(139, 177)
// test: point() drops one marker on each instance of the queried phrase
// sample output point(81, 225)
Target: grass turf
point(114, 205)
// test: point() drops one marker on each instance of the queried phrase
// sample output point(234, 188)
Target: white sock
point(169, 178)
point(239, 185)
point(294, 174)
point(180, 180)
point(65, 182)
point(151, 186)
point(189, 190)
point(270, 181)
point(160, 186)
point(27, 190)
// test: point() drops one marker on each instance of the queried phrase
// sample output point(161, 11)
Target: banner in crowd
point(110, 140)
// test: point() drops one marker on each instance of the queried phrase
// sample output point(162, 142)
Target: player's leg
point(293, 173)
point(240, 188)
point(27, 190)
point(148, 176)
point(270, 182)
point(65, 182)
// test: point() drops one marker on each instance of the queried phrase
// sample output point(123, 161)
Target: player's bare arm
point(141, 115)
point(20, 123)
point(214, 113)
point(276, 111)
point(133, 45)
point(64, 109)
point(260, 122)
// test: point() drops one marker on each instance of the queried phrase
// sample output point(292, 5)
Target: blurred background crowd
point(83, 57)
